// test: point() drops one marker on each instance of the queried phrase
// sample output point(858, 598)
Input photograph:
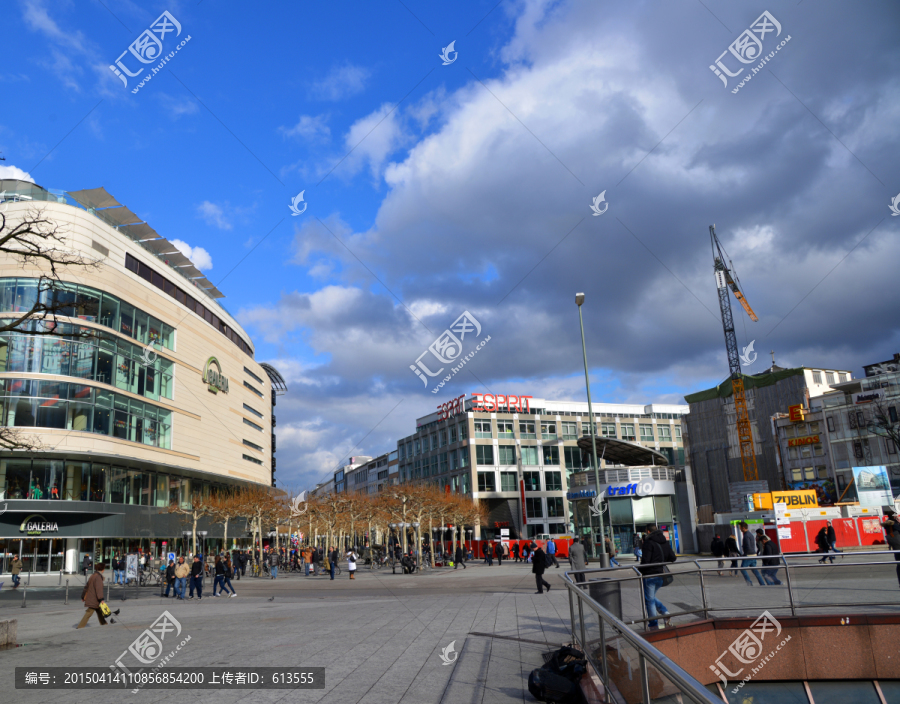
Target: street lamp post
point(601, 548)
point(418, 535)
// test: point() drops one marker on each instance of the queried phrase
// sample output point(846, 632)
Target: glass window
point(452, 434)
point(817, 377)
point(643, 510)
point(573, 457)
point(505, 429)
point(508, 481)
point(484, 454)
point(586, 429)
point(454, 461)
point(463, 431)
point(555, 507)
point(548, 431)
point(809, 473)
point(507, 455)
point(482, 428)
point(620, 512)
point(526, 430)
point(570, 431)
point(148, 484)
point(443, 435)
point(97, 488)
point(796, 475)
point(822, 472)
point(434, 441)
point(647, 432)
point(551, 454)
point(608, 430)
point(677, 432)
point(533, 508)
point(529, 455)
point(663, 507)
point(664, 432)
point(553, 481)
point(532, 481)
point(628, 431)
point(464, 457)
point(487, 481)
point(77, 476)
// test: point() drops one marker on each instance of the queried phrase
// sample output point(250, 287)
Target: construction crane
point(726, 279)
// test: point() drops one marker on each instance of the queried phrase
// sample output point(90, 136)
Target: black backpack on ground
point(557, 681)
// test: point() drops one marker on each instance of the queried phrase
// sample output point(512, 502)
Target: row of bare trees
point(336, 518)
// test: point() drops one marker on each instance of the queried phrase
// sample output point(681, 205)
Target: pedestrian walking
point(332, 561)
point(351, 563)
point(498, 553)
point(551, 553)
point(636, 543)
point(770, 563)
point(717, 548)
point(749, 550)
point(526, 553)
point(92, 596)
point(182, 572)
point(460, 557)
point(118, 567)
point(197, 578)
point(832, 539)
point(86, 564)
point(822, 543)
point(515, 552)
point(655, 551)
point(538, 565)
point(577, 559)
point(732, 549)
point(488, 554)
point(15, 569)
point(611, 551)
point(170, 579)
point(274, 561)
point(892, 537)
point(223, 576)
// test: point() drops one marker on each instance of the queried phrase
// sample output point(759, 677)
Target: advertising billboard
point(873, 486)
point(824, 488)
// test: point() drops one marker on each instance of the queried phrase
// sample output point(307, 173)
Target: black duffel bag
point(557, 681)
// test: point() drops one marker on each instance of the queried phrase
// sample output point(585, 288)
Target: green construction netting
point(724, 390)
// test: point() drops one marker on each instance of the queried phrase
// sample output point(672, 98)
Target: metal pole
point(601, 548)
point(645, 680)
point(571, 613)
point(60, 576)
point(702, 591)
point(24, 592)
point(67, 592)
point(787, 575)
point(28, 583)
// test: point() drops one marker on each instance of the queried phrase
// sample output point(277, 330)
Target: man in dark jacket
point(196, 578)
point(832, 539)
point(654, 553)
point(538, 565)
point(170, 579)
point(822, 544)
point(770, 563)
point(332, 559)
point(749, 551)
point(892, 536)
point(459, 558)
point(515, 552)
point(498, 553)
point(274, 561)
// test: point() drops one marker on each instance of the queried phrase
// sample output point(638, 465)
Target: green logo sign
point(212, 375)
point(36, 524)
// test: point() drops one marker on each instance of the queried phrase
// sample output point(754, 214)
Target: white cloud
point(372, 139)
point(178, 106)
point(199, 256)
point(308, 127)
point(340, 82)
point(214, 215)
point(14, 172)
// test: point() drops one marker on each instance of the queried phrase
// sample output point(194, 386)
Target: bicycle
point(255, 570)
point(321, 569)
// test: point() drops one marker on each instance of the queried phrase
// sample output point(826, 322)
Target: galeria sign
point(213, 376)
point(498, 402)
point(36, 524)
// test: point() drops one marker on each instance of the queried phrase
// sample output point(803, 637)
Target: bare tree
point(885, 422)
point(196, 508)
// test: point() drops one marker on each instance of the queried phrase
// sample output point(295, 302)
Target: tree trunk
point(225, 539)
point(194, 534)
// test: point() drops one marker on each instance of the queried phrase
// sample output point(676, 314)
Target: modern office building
point(852, 430)
point(516, 454)
point(375, 475)
point(156, 400)
point(715, 457)
point(803, 453)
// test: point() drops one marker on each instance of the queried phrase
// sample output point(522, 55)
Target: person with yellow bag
point(92, 596)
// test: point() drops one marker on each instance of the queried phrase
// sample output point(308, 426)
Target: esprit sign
point(497, 402)
point(807, 440)
point(36, 524)
point(451, 408)
point(212, 375)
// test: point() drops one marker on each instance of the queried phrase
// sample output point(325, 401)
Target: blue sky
point(436, 189)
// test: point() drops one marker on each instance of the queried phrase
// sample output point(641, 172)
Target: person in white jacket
point(352, 557)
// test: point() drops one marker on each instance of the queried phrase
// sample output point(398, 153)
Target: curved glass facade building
point(145, 394)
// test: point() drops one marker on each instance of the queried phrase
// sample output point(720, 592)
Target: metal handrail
point(788, 566)
point(687, 685)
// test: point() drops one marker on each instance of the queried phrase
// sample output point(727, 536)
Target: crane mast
point(725, 280)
